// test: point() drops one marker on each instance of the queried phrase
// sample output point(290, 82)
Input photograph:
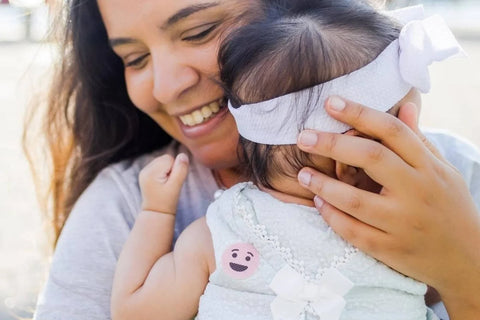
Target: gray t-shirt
point(82, 269)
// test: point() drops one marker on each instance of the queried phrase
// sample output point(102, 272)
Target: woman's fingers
point(355, 232)
point(394, 134)
point(379, 162)
point(367, 207)
point(424, 218)
point(408, 114)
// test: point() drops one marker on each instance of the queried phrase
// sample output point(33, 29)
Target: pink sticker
point(240, 260)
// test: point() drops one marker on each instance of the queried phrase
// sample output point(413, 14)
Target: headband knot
point(423, 42)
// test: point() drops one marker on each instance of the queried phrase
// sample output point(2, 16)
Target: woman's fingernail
point(336, 103)
point(308, 138)
point(318, 202)
point(305, 177)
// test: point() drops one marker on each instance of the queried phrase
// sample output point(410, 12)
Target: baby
point(262, 251)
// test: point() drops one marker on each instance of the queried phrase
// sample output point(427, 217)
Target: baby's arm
point(150, 281)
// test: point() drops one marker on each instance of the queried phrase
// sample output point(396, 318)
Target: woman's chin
point(216, 159)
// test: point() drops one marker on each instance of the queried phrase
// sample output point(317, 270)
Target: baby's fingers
point(157, 171)
point(165, 169)
point(179, 171)
point(161, 182)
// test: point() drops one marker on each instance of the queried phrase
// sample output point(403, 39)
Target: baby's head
point(296, 45)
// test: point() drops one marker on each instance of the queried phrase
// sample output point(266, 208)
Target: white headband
point(379, 85)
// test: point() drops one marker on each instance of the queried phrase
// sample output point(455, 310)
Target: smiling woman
point(169, 54)
point(125, 65)
point(140, 79)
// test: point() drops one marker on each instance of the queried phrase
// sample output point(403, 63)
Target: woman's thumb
point(409, 114)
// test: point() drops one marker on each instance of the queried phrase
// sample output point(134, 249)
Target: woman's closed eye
point(136, 62)
point(199, 33)
point(195, 35)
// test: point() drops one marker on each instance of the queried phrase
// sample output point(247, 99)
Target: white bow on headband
point(378, 85)
point(294, 294)
point(421, 44)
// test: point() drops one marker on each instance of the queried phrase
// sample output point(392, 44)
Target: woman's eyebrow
point(187, 11)
point(120, 41)
point(179, 15)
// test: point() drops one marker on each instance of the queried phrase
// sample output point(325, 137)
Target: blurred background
point(25, 58)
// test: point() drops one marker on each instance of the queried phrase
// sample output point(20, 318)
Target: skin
point(168, 75)
point(169, 70)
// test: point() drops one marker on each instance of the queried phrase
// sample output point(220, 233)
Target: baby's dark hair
point(294, 45)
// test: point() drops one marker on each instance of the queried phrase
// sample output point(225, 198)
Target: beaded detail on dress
point(243, 207)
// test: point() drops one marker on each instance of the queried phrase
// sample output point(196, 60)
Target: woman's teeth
point(200, 115)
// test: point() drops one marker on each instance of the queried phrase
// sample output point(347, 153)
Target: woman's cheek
point(204, 59)
point(140, 89)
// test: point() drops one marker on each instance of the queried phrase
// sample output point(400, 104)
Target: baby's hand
point(161, 181)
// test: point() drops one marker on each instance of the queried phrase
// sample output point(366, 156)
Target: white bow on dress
point(294, 294)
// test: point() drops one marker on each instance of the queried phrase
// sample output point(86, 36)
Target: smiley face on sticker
point(240, 260)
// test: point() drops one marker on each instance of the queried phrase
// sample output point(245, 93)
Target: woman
point(102, 112)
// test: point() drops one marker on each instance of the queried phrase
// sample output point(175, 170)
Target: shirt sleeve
point(83, 265)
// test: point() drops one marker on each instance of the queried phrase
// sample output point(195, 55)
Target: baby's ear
point(348, 174)
point(354, 176)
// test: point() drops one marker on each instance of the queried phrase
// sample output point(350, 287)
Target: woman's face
point(169, 49)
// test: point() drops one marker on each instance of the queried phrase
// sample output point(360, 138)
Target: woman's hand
point(423, 222)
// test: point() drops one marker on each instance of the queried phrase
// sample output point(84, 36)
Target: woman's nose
point(172, 78)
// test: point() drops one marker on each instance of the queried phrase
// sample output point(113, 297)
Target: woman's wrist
point(461, 301)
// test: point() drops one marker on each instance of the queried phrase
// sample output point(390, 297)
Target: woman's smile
point(202, 114)
point(204, 119)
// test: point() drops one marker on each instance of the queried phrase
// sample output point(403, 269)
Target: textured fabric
point(80, 279)
point(295, 235)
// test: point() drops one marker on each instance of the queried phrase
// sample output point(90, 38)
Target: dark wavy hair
point(87, 120)
point(297, 44)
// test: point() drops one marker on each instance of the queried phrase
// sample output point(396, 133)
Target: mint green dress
point(297, 267)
